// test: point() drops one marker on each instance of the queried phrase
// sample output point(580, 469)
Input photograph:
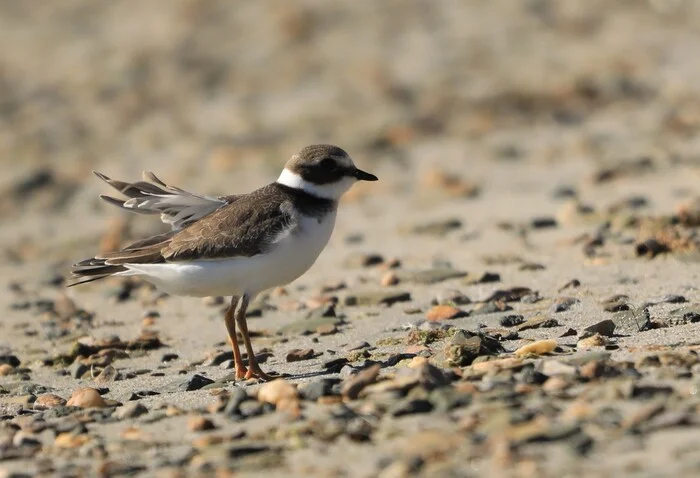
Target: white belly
point(292, 255)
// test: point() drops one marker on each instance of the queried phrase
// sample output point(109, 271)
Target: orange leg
point(229, 318)
point(254, 370)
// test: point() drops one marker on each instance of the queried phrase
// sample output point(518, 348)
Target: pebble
point(572, 284)
point(310, 326)
point(604, 327)
point(70, 440)
point(429, 276)
point(198, 423)
point(464, 347)
point(512, 320)
point(389, 279)
point(313, 391)
point(352, 386)
point(359, 260)
point(451, 297)
point(86, 398)
point(596, 340)
point(438, 228)
point(47, 401)
point(195, 382)
point(10, 360)
point(277, 391)
point(78, 369)
point(509, 295)
point(130, 410)
point(562, 304)
point(297, 355)
point(481, 277)
point(540, 347)
point(536, 322)
point(444, 312)
point(380, 297)
point(237, 396)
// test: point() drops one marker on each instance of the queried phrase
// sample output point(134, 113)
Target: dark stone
point(511, 320)
point(319, 388)
point(411, 406)
point(77, 370)
point(195, 382)
point(8, 359)
point(543, 223)
point(169, 357)
point(238, 396)
point(563, 304)
point(604, 327)
point(335, 365)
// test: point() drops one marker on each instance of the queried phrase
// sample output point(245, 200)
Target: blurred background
point(214, 96)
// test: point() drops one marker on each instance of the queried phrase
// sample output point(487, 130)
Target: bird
point(237, 245)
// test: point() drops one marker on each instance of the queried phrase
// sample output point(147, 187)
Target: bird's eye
point(327, 163)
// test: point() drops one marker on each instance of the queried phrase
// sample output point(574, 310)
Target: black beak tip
point(365, 176)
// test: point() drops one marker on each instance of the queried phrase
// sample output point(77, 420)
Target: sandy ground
point(559, 136)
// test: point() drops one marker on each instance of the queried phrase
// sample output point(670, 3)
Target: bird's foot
point(256, 372)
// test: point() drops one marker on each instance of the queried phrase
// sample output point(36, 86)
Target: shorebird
point(237, 245)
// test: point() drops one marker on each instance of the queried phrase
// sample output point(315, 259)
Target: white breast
point(292, 254)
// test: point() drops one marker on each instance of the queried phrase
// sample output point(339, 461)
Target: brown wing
point(245, 227)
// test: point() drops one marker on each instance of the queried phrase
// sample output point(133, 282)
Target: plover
point(236, 245)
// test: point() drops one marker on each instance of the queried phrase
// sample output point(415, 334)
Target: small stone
point(531, 266)
point(512, 320)
point(451, 297)
point(195, 382)
point(540, 347)
point(6, 369)
point(572, 284)
point(490, 308)
point(107, 375)
point(568, 333)
point(554, 367)
point(48, 400)
point(313, 391)
point(382, 297)
point(169, 357)
point(276, 391)
point(358, 346)
point(509, 295)
point(444, 312)
point(78, 369)
point(326, 329)
point(358, 260)
point(297, 355)
point(389, 279)
point(596, 340)
point(352, 387)
point(555, 384)
point(604, 327)
point(198, 423)
point(481, 277)
point(429, 276)
point(70, 440)
point(562, 304)
point(433, 228)
point(536, 322)
point(543, 222)
point(464, 347)
point(410, 406)
point(130, 410)
point(238, 396)
point(86, 398)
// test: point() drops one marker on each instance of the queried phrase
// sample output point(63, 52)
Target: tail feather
point(177, 207)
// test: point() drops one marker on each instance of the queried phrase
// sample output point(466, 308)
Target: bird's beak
point(364, 176)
